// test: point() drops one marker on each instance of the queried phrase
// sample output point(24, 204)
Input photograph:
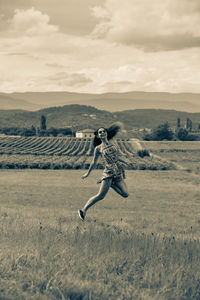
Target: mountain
point(81, 116)
point(9, 102)
point(187, 102)
point(150, 118)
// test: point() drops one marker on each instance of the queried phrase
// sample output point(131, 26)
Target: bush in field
point(182, 134)
point(143, 153)
point(163, 132)
point(28, 131)
point(160, 133)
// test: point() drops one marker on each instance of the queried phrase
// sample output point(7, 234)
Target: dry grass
point(185, 154)
point(142, 247)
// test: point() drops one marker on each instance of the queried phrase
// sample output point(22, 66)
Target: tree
point(43, 123)
point(178, 122)
point(163, 132)
point(189, 124)
point(33, 129)
point(182, 134)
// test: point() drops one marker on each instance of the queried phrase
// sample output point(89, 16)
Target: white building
point(86, 133)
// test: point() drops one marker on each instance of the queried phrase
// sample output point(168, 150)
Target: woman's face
point(102, 133)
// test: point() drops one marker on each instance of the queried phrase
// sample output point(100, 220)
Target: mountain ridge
point(82, 116)
point(188, 102)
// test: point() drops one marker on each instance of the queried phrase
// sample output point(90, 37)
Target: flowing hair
point(111, 132)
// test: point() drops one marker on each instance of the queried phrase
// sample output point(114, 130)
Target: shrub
point(161, 132)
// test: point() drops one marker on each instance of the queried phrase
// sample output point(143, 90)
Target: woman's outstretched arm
point(93, 163)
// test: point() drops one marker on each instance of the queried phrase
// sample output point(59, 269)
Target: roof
point(86, 131)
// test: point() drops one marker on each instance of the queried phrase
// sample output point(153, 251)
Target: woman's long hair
point(111, 132)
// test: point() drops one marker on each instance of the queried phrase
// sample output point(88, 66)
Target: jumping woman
point(113, 174)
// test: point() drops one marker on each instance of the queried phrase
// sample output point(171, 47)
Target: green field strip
point(32, 149)
point(88, 160)
point(4, 140)
point(43, 147)
point(16, 149)
point(74, 145)
point(72, 161)
point(11, 141)
point(85, 148)
point(22, 147)
point(16, 143)
point(34, 146)
point(69, 147)
point(79, 148)
point(172, 145)
point(78, 164)
point(65, 147)
point(51, 147)
point(61, 146)
point(90, 151)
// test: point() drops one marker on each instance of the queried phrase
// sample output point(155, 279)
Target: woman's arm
point(93, 163)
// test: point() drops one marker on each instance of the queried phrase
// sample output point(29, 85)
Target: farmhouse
point(86, 133)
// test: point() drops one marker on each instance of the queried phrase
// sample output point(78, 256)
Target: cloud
point(73, 17)
point(70, 79)
point(122, 86)
point(32, 22)
point(54, 65)
point(112, 58)
point(152, 25)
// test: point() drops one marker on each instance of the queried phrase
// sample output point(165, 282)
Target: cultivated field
point(142, 247)
point(68, 153)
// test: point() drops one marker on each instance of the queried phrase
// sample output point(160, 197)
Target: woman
point(113, 174)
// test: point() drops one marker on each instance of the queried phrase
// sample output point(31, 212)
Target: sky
point(100, 46)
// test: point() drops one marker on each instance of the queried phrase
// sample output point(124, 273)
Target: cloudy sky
point(99, 46)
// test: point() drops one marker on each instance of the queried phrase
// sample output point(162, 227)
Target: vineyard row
point(55, 146)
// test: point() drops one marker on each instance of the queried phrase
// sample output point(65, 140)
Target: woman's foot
point(81, 214)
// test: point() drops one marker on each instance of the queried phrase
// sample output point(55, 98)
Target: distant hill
point(150, 118)
point(81, 116)
point(9, 102)
point(110, 101)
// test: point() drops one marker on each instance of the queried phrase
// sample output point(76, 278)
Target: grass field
point(186, 154)
point(142, 247)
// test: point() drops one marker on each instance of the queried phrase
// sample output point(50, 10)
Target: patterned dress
point(113, 167)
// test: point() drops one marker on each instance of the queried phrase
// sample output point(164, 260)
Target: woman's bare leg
point(121, 188)
point(105, 185)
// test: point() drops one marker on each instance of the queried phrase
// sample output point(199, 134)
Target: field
point(186, 154)
point(145, 246)
point(68, 153)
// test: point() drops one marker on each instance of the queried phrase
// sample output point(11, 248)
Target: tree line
point(165, 132)
point(37, 131)
point(161, 132)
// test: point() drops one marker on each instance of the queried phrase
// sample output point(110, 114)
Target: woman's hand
point(85, 176)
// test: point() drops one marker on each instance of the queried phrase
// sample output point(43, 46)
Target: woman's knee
point(100, 196)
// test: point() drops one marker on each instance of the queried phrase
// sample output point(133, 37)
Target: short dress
point(113, 167)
